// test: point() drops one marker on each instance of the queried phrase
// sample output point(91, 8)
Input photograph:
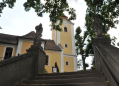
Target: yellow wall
point(25, 46)
point(70, 67)
point(14, 51)
point(54, 57)
point(1, 51)
point(65, 38)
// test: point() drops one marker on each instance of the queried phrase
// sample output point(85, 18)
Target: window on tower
point(66, 45)
point(66, 63)
point(65, 29)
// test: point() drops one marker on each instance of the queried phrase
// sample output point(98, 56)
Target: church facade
point(60, 49)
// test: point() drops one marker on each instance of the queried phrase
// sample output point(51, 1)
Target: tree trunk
point(84, 66)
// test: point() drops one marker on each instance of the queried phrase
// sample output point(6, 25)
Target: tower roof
point(64, 17)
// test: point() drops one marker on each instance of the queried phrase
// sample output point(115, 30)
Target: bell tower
point(65, 37)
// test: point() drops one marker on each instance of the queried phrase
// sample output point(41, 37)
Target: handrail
point(6, 61)
point(116, 79)
point(7, 58)
point(108, 54)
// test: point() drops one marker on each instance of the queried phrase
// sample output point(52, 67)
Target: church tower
point(67, 41)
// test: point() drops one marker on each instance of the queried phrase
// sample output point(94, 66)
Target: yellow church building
point(60, 49)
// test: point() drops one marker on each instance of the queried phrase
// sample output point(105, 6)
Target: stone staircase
point(80, 78)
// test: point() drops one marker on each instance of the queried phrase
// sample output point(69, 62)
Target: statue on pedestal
point(97, 26)
point(38, 35)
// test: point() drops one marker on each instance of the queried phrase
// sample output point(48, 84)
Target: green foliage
point(107, 10)
point(79, 63)
point(46, 71)
point(113, 40)
point(93, 64)
point(86, 64)
point(55, 8)
point(83, 45)
point(57, 67)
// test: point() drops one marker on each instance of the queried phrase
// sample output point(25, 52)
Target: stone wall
point(17, 69)
point(106, 60)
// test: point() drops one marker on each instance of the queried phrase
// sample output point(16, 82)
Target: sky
point(17, 21)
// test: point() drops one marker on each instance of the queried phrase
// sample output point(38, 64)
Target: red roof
point(64, 17)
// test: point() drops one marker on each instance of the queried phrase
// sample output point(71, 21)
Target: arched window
point(66, 45)
point(66, 63)
point(65, 29)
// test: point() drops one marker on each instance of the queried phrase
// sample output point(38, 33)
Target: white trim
point(20, 41)
point(52, 51)
point(42, 44)
point(68, 21)
point(75, 64)
point(48, 60)
point(69, 55)
point(68, 63)
point(5, 51)
point(72, 35)
point(26, 40)
point(62, 61)
point(55, 36)
point(18, 51)
point(58, 35)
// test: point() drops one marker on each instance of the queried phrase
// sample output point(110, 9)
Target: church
point(60, 49)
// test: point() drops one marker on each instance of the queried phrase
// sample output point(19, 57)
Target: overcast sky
point(17, 21)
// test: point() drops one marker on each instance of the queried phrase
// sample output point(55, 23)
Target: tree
point(55, 8)
point(82, 48)
point(107, 10)
point(79, 63)
point(93, 64)
point(46, 71)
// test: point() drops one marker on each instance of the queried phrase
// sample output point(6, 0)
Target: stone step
point(74, 84)
point(67, 76)
point(68, 73)
point(65, 81)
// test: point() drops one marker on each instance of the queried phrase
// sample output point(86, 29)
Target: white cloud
point(7, 17)
point(6, 27)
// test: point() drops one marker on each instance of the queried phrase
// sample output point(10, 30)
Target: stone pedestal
point(101, 40)
point(39, 54)
point(98, 41)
